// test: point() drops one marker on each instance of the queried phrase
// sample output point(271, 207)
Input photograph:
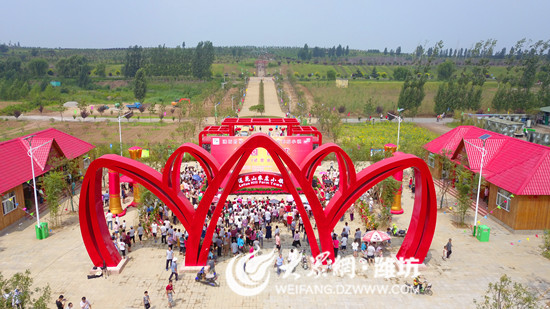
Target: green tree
point(203, 58)
point(507, 294)
point(401, 73)
point(374, 73)
point(24, 283)
point(100, 69)
point(134, 61)
point(445, 70)
point(331, 75)
point(38, 67)
point(464, 188)
point(412, 93)
point(54, 183)
point(140, 85)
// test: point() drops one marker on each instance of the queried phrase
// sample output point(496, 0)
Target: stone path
point(272, 107)
point(62, 262)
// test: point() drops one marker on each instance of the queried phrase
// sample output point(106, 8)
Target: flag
point(349, 113)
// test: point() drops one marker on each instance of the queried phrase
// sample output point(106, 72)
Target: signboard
point(259, 180)
point(298, 147)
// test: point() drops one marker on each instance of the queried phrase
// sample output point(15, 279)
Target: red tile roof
point(14, 160)
point(517, 166)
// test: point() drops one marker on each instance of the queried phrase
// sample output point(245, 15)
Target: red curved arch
point(100, 248)
point(171, 173)
point(93, 227)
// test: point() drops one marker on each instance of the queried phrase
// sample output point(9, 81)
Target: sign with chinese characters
point(298, 147)
point(259, 179)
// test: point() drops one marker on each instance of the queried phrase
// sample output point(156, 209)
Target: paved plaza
point(62, 262)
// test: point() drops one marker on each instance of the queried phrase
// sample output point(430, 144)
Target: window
point(503, 199)
point(431, 160)
point(9, 202)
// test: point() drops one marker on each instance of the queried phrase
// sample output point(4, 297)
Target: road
point(272, 107)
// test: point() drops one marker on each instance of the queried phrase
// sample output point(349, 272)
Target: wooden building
point(516, 172)
point(16, 189)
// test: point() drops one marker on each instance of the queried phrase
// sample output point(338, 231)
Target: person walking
point(140, 231)
point(169, 293)
point(174, 268)
point(169, 257)
point(278, 263)
point(336, 245)
point(85, 304)
point(449, 247)
point(60, 302)
point(154, 227)
point(109, 218)
point(146, 300)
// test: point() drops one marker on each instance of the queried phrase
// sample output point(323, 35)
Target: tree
point(151, 110)
point(38, 67)
point(331, 75)
point(4, 48)
point(24, 283)
point(412, 93)
point(83, 77)
point(398, 50)
point(374, 73)
point(100, 69)
point(445, 70)
point(203, 58)
point(53, 184)
point(507, 294)
point(134, 61)
point(140, 85)
point(464, 188)
point(401, 73)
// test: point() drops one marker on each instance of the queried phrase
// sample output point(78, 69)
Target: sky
point(363, 24)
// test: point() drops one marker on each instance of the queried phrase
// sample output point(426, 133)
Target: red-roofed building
point(16, 173)
point(516, 172)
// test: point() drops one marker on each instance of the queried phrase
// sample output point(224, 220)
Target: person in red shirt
point(169, 293)
point(336, 244)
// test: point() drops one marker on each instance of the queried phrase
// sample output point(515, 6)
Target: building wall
point(527, 212)
point(13, 216)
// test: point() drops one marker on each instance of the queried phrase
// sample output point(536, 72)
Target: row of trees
point(319, 52)
point(162, 61)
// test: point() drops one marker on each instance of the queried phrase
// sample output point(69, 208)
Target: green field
point(383, 93)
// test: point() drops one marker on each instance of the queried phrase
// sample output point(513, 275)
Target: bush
point(16, 113)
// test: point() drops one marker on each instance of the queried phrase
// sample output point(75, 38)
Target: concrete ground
point(62, 262)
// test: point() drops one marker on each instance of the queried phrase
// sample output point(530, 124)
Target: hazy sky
point(363, 24)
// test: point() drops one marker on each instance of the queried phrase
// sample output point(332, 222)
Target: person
point(85, 304)
point(140, 231)
point(296, 241)
point(357, 236)
point(109, 218)
point(154, 227)
point(336, 245)
point(240, 242)
point(70, 305)
point(486, 195)
point(128, 241)
point(278, 242)
point(344, 242)
point(146, 300)
point(444, 256)
point(163, 234)
point(355, 247)
point(60, 302)
point(169, 293)
point(182, 244)
point(278, 263)
point(132, 234)
point(449, 247)
point(122, 247)
point(268, 230)
point(169, 257)
point(370, 253)
point(211, 265)
point(234, 247)
point(174, 268)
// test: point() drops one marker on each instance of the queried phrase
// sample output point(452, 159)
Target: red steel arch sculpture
point(166, 187)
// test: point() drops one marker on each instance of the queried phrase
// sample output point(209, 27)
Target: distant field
point(384, 93)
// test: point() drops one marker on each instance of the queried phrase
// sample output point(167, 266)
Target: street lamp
point(30, 153)
point(127, 116)
point(484, 137)
point(399, 120)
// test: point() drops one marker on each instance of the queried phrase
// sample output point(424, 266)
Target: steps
point(482, 210)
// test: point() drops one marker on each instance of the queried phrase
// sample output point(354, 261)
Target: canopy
point(197, 177)
point(376, 236)
point(127, 179)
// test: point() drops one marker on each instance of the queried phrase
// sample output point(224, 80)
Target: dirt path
point(436, 127)
point(272, 107)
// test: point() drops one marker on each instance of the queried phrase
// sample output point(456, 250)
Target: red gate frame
point(166, 187)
